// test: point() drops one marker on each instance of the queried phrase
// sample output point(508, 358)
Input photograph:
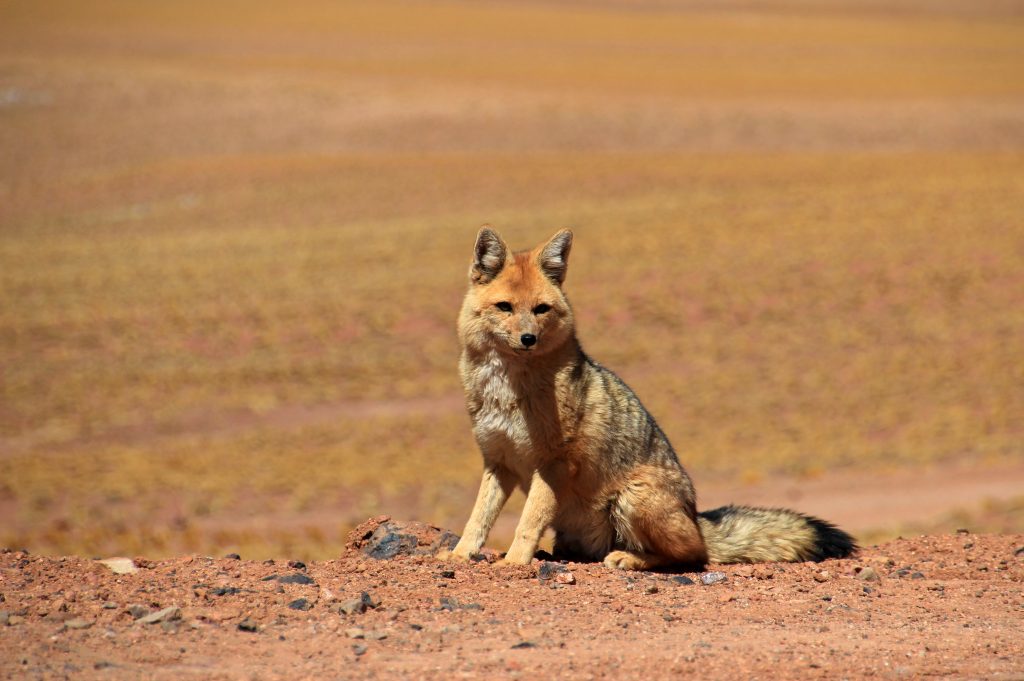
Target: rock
point(565, 578)
point(447, 574)
point(137, 611)
point(78, 623)
point(376, 635)
point(709, 578)
point(822, 576)
point(369, 600)
point(383, 539)
point(683, 580)
point(300, 604)
point(1019, 552)
point(917, 575)
point(166, 615)
point(448, 604)
point(248, 624)
point(744, 571)
point(14, 620)
point(120, 566)
point(359, 649)
point(548, 570)
point(525, 644)
point(355, 632)
point(110, 605)
point(225, 591)
point(297, 564)
point(651, 589)
point(233, 556)
point(354, 606)
point(297, 578)
point(868, 574)
point(763, 572)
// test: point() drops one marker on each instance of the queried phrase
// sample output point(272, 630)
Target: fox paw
point(625, 560)
point(447, 555)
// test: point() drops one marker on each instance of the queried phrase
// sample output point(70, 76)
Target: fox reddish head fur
point(592, 461)
point(515, 303)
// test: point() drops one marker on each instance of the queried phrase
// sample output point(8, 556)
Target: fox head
point(515, 302)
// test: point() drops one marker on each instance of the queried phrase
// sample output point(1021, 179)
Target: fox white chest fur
point(499, 422)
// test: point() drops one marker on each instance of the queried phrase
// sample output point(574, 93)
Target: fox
point(593, 463)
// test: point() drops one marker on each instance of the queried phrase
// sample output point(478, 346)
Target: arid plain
point(234, 237)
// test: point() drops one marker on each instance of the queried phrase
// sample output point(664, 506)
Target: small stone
point(355, 632)
point(297, 564)
point(868, 574)
point(137, 611)
point(548, 570)
point(565, 578)
point(359, 649)
point(963, 530)
point(296, 578)
point(226, 591)
point(917, 575)
point(525, 644)
point(166, 615)
point(110, 605)
point(1019, 552)
point(369, 599)
point(447, 574)
point(822, 576)
point(651, 589)
point(78, 623)
point(448, 604)
point(744, 571)
point(300, 604)
point(352, 607)
point(683, 580)
point(248, 624)
point(709, 578)
point(233, 556)
point(14, 620)
point(120, 566)
point(763, 572)
point(376, 635)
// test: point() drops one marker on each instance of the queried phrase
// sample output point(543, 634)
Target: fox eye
point(503, 306)
point(541, 309)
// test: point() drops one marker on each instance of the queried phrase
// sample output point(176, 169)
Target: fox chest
point(507, 421)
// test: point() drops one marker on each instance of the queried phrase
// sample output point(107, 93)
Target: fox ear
point(489, 256)
point(554, 257)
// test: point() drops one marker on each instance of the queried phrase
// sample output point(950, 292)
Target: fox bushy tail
point(742, 534)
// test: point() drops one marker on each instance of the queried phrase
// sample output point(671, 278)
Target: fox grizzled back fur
point(592, 461)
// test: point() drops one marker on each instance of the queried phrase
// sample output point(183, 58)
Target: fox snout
point(528, 340)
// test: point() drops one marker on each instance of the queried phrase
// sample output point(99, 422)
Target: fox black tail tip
point(829, 540)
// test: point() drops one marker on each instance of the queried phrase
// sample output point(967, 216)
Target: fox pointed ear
point(554, 257)
point(489, 256)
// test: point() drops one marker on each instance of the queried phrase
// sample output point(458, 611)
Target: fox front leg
point(495, 488)
point(538, 514)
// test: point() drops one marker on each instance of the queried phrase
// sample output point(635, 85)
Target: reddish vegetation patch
point(948, 604)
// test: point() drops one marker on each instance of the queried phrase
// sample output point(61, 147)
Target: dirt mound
point(949, 604)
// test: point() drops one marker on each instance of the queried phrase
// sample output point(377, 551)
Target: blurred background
point(234, 237)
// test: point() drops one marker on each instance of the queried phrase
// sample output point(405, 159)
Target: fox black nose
point(528, 339)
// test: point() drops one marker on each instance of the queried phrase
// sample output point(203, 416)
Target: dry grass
point(234, 241)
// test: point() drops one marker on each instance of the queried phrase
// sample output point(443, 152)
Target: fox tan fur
point(593, 463)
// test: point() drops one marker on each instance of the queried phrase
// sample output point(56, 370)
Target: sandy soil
point(948, 605)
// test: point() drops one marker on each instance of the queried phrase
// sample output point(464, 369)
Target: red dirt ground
point(948, 605)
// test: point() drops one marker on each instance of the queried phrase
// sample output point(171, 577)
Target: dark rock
point(297, 564)
point(709, 578)
point(387, 544)
point(300, 604)
point(225, 591)
point(917, 575)
point(383, 538)
point(268, 578)
point(651, 589)
point(448, 604)
point(1019, 552)
point(78, 623)
point(103, 664)
point(525, 644)
point(248, 624)
point(233, 556)
point(359, 649)
point(296, 578)
point(447, 574)
point(369, 600)
point(548, 570)
point(683, 580)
